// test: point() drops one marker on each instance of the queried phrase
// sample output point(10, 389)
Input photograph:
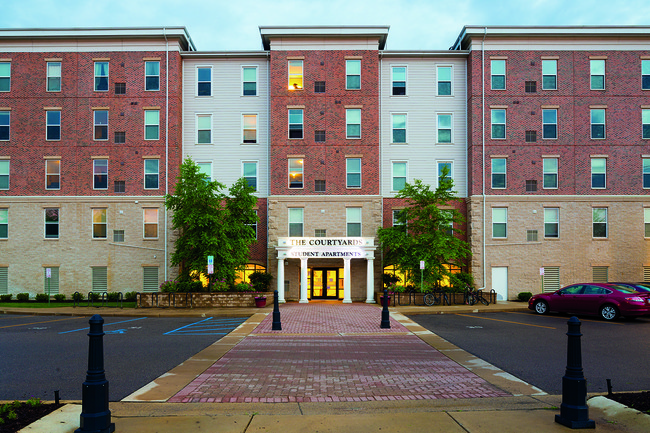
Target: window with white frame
point(498, 74)
point(204, 80)
point(499, 222)
point(52, 174)
point(296, 222)
point(295, 75)
point(646, 222)
point(4, 223)
point(353, 74)
point(398, 217)
point(249, 133)
point(498, 117)
point(399, 80)
point(151, 173)
point(549, 123)
point(597, 74)
point(399, 128)
point(645, 74)
point(551, 222)
point(4, 173)
point(445, 171)
point(99, 223)
point(498, 173)
point(5, 76)
point(399, 169)
point(353, 221)
point(598, 173)
point(53, 70)
point(100, 125)
point(599, 222)
point(597, 123)
point(353, 123)
point(249, 80)
point(550, 173)
point(52, 125)
point(549, 74)
point(645, 122)
point(4, 125)
point(296, 123)
point(150, 223)
point(101, 76)
point(100, 174)
point(444, 80)
point(444, 129)
point(353, 172)
point(204, 128)
point(151, 76)
point(206, 169)
point(646, 172)
point(253, 224)
point(151, 124)
point(295, 172)
point(249, 173)
point(51, 223)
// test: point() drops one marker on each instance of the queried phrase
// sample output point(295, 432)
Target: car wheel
point(609, 312)
point(541, 307)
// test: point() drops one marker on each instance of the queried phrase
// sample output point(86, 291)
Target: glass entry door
point(324, 283)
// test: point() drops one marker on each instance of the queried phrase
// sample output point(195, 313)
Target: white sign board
point(421, 264)
point(210, 269)
point(541, 271)
point(48, 272)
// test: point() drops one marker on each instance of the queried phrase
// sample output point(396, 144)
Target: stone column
point(370, 282)
point(281, 281)
point(347, 299)
point(303, 281)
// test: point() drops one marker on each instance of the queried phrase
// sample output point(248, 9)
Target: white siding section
point(85, 46)
point(227, 105)
point(422, 105)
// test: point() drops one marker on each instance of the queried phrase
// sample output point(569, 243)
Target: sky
point(220, 25)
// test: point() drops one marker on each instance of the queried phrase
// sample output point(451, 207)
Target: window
point(444, 128)
point(646, 173)
point(445, 171)
point(531, 136)
point(100, 122)
point(4, 280)
point(353, 221)
point(100, 174)
point(4, 125)
point(552, 222)
point(296, 222)
point(4, 174)
point(100, 279)
point(295, 123)
point(295, 74)
point(531, 235)
point(645, 121)
point(295, 172)
point(118, 235)
point(398, 217)
point(353, 123)
point(444, 80)
point(530, 86)
point(53, 76)
point(597, 72)
point(597, 123)
point(120, 88)
point(119, 137)
point(399, 80)
point(353, 74)
point(319, 136)
point(549, 74)
point(52, 125)
point(399, 128)
point(598, 173)
point(204, 128)
point(549, 124)
point(249, 80)
point(319, 86)
point(101, 76)
point(204, 80)
point(150, 223)
point(151, 124)
point(498, 123)
point(151, 174)
point(599, 222)
point(399, 175)
point(152, 76)
point(253, 224)
point(52, 223)
point(646, 222)
point(645, 74)
point(320, 185)
point(498, 71)
point(5, 76)
point(531, 185)
point(598, 275)
point(99, 224)
point(52, 174)
point(353, 172)
point(499, 222)
point(549, 173)
point(119, 186)
point(250, 128)
point(249, 172)
point(498, 173)
point(206, 169)
point(320, 233)
point(4, 223)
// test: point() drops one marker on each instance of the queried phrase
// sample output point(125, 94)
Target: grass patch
point(34, 304)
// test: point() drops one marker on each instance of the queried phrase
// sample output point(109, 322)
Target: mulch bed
point(636, 400)
point(27, 414)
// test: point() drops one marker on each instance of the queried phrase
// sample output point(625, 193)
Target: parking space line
point(506, 321)
point(183, 327)
point(47, 321)
point(105, 324)
point(209, 326)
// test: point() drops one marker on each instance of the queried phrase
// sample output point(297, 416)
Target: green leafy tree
point(210, 222)
point(423, 232)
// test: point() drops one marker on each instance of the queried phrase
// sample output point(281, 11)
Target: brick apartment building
point(543, 130)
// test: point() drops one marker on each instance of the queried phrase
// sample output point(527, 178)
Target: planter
point(260, 302)
point(381, 301)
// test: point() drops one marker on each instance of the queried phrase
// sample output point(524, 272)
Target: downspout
point(381, 161)
point(483, 149)
point(166, 139)
point(268, 151)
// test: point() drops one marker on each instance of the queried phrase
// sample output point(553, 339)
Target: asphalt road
point(533, 348)
point(40, 354)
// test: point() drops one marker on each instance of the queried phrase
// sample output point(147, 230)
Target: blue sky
point(216, 25)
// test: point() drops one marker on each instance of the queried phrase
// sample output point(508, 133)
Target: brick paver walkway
point(322, 354)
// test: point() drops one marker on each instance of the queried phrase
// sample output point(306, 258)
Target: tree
point(211, 223)
point(423, 232)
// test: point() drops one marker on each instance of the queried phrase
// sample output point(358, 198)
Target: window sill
point(444, 144)
point(599, 239)
point(249, 144)
point(150, 239)
point(204, 144)
point(99, 239)
point(552, 239)
point(50, 239)
point(549, 90)
point(399, 143)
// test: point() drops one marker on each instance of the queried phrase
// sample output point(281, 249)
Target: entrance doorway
point(325, 283)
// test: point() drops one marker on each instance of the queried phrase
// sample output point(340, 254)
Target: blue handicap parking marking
point(106, 324)
point(210, 326)
point(115, 331)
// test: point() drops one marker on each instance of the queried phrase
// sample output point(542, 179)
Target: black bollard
point(574, 412)
point(277, 325)
point(385, 314)
point(95, 416)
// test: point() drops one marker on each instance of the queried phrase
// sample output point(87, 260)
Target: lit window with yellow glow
point(295, 172)
point(295, 74)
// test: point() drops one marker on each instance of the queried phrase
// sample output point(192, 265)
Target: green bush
point(22, 297)
point(524, 296)
point(246, 287)
point(113, 296)
point(130, 296)
point(169, 287)
point(59, 297)
point(460, 281)
point(41, 297)
point(6, 298)
point(189, 286)
point(261, 281)
point(77, 297)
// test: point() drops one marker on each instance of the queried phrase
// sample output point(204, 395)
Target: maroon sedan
point(606, 300)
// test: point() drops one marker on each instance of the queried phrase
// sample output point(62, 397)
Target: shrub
point(220, 286)
point(524, 296)
point(77, 297)
point(169, 287)
point(130, 296)
point(59, 297)
point(261, 281)
point(113, 296)
point(246, 287)
point(189, 286)
point(6, 298)
point(22, 297)
point(41, 297)
point(460, 281)
point(94, 296)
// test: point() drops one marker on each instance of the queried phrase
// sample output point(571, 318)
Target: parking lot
point(40, 354)
point(533, 348)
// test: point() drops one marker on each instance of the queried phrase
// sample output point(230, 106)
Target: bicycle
point(435, 298)
point(474, 296)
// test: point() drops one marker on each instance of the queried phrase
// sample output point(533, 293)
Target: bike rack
point(76, 299)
